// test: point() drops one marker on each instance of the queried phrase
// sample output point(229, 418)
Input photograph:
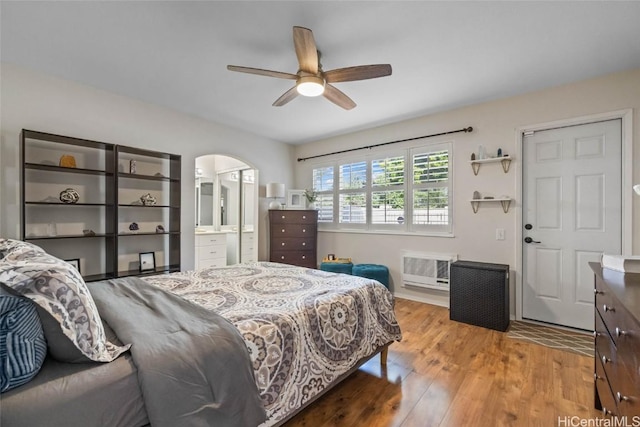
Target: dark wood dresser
point(617, 342)
point(293, 237)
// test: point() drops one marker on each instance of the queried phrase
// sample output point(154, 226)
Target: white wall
point(34, 101)
point(495, 125)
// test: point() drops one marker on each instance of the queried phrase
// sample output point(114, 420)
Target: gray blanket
point(193, 365)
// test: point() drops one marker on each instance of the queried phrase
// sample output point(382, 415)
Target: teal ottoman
point(372, 271)
point(337, 267)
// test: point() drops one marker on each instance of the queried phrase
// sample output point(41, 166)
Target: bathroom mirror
point(204, 201)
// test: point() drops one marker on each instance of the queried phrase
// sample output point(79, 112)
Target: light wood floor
point(446, 373)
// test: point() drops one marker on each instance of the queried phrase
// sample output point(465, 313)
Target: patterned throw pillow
point(59, 289)
point(22, 344)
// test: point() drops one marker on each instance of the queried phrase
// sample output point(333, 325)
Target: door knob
point(530, 240)
point(528, 226)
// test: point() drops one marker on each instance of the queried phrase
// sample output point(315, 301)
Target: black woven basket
point(479, 294)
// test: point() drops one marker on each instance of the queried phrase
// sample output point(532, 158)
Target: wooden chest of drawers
point(617, 342)
point(293, 237)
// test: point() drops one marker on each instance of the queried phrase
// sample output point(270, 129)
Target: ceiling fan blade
point(306, 49)
point(360, 72)
point(261, 72)
point(337, 97)
point(286, 97)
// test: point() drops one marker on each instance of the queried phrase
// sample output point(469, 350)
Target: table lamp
point(275, 191)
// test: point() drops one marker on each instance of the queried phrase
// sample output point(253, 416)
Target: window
point(353, 195)
point(388, 190)
point(323, 186)
point(405, 190)
point(430, 170)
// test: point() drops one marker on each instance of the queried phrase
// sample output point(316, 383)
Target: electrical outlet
point(499, 233)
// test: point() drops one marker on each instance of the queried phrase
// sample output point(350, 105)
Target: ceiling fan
point(310, 79)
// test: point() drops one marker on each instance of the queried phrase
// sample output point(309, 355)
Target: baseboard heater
point(426, 270)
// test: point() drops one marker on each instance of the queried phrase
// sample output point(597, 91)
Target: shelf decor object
point(67, 161)
point(88, 214)
point(75, 263)
point(148, 200)
point(296, 199)
point(69, 196)
point(504, 160)
point(147, 261)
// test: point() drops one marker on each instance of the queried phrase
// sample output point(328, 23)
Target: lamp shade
point(310, 86)
point(275, 189)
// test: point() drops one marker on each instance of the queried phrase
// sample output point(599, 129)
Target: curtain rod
point(467, 129)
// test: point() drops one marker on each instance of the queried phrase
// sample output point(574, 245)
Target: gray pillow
point(60, 292)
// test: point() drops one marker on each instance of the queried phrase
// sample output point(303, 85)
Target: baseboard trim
point(427, 299)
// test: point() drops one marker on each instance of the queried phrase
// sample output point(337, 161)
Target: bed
point(292, 333)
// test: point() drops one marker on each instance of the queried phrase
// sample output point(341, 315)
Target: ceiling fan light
point(310, 86)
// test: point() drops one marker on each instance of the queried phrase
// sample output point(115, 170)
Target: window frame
point(408, 187)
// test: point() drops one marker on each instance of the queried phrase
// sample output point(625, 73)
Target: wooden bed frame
point(382, 351)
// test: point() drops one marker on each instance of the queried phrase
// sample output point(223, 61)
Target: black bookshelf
point(97, 176)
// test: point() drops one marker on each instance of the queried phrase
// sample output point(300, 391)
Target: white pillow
point(58, 288)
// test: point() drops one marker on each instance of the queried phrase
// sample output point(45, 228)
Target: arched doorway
point(226, 211)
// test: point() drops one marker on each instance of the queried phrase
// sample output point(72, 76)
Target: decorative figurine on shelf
point(159, 229)
point(88, 233)
point(148, 200)
point(69, 196)
point(132, 166)
point(67, 161)
point(473, 156)
point(476, 195)
point(133, 227)
point(499, 152)
point(482, 154)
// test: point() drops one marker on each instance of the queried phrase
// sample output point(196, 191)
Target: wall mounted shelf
point(505, 161)
point(505, 202)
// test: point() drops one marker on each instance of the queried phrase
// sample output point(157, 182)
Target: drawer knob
point(282, 243)
point(304, 243)
point(283, 230)
point(605, 360)
point(304, 217)
point(304, 230)
point(596, 334)
point(282, 257)
point(597, 292)
point(606, 308)
point(621, 397)
point(283, 217)
point(304, 257)
point(620, 332)
point(596, 377)
point(605, 411)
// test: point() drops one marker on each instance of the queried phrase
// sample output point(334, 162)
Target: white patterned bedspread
point(304, 328)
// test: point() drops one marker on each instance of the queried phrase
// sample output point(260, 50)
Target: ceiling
point(444, 54)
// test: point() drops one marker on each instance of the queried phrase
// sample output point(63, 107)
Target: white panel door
point(572, 212)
